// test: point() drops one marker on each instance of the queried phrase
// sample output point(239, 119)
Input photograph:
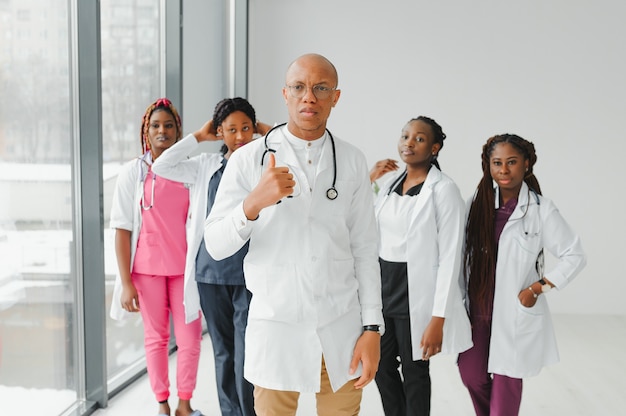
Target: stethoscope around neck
point(142, 180)
point(396, 182)
point(331, 193)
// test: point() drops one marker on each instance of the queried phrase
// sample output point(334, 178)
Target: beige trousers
point(344, 402)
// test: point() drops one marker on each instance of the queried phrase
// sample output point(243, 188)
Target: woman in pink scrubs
point(149, 215)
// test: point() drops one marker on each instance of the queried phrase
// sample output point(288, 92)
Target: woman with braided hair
point(218, 286)
point(420, 215)
point(150, 216)
point(509, 225)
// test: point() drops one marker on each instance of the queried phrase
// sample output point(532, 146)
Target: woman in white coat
point(150, 217)
point(508, 228)
point(420, 215)
point(219, 284)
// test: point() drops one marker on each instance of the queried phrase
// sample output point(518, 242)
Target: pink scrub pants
point(158, 296)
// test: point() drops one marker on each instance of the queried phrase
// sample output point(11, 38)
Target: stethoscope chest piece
point(331, 193)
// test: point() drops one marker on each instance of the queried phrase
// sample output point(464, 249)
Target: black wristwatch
point(374, 328)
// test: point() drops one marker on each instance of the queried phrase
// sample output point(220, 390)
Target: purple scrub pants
point(492, 394)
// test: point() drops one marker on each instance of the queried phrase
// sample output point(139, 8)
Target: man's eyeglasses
point(321, 92)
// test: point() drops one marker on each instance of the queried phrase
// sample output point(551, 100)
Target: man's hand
point(275, 184)
point(367, 351)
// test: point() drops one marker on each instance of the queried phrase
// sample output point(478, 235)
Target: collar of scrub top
point(523, 199)
point(331, 193)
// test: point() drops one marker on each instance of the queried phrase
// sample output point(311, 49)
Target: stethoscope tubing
point(331, 193)
point(396, 182)
point(142, 180)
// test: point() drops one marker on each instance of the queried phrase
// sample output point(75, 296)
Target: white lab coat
point(174, 164)
point(522, 339)
point(311, 265)
point(127, 216)
point(434, 243)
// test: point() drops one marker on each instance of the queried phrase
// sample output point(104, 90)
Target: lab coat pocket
point(529, 340)
point(275, 292)
point(528, 244)
point(528, 320)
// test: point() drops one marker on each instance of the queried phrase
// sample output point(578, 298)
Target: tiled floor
point(589, 381)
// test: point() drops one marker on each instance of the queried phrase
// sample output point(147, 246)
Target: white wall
point(552, 72)
point(204, 52)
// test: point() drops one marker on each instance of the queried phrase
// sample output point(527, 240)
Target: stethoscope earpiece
point(331, 193)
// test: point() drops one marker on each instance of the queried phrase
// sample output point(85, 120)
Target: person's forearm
point(122, 252)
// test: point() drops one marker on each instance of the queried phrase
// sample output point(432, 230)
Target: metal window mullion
point(171, 50)
point(87, 196)
point(238, 48)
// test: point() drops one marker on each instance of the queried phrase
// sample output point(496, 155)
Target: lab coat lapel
point(434, 176)
point(326, 157)
point(286, 155)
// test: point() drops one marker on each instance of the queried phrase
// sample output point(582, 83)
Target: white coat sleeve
point(174, 163)
point(227, 229)
point(122, 209)
point(562, 242)
point(450, 217)
point(364, 246)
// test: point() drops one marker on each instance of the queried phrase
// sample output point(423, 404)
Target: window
point(38, 362)
point(39, 348)
point(51, 347)
point(131, 80)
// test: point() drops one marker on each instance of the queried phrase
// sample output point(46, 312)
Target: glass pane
point(130, 82)
point(37, 286)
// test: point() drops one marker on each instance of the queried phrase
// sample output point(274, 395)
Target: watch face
point(546, 288)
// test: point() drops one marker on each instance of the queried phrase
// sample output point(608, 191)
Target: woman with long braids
point(508, 227)
point(150, 215)
point(420, 215)
point(220, 284)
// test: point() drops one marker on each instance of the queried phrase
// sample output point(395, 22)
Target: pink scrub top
point(162, 242)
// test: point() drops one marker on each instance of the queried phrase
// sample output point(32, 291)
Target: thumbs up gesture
point(275, 184)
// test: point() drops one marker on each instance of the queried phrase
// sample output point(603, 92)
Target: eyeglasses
point(321, 92)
